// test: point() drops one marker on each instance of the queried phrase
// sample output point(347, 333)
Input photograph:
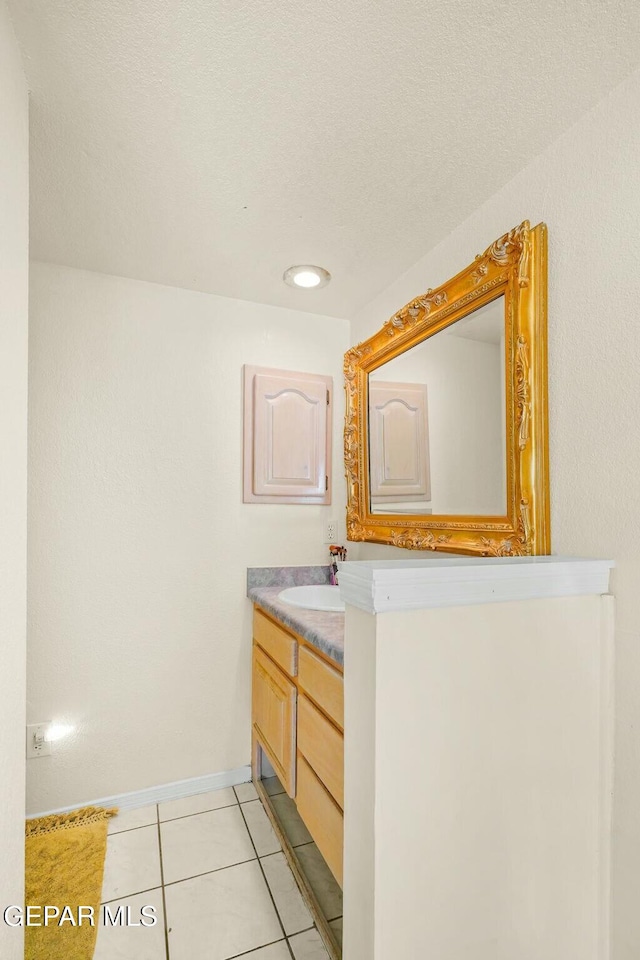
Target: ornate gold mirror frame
point(514, 266)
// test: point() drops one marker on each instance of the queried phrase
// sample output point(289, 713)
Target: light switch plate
point(37, 744)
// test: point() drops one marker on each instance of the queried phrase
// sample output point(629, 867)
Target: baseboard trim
point(166, 791)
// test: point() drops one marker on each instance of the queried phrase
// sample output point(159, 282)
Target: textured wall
point(586, 188)
point(14, 264)
point(139, 627)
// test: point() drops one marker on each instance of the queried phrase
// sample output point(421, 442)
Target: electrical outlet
point(37, 743)
point(330, 532)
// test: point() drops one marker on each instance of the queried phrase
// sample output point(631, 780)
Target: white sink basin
point(316, 596)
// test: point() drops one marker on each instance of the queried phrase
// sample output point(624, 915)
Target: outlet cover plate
point(330, 531)
point(37, 744)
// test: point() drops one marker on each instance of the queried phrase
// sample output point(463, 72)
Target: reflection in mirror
point(437, 422)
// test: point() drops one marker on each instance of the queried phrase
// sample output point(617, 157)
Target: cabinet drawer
point(322, 816)
point(274, 717)
point(280, 645)
point(323, 684)
point(322, 746)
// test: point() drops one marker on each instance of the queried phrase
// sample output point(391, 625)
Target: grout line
point(185, 816)
point(250, 800)
point(116, 833)
point(278, 793)
point(264, 877)
point(306, 930)
point(249, 953)
point(265, 856)
point(206, 873)
point(164, 899)
point(127, 896)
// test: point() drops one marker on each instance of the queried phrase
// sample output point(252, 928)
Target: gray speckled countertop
point(323, 630)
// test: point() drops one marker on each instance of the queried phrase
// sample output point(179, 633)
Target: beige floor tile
point(273, 786)
point(336, 926)
point(321, 880)
point(290, 820)
point(132, 819)
point(221, 915)
point(204, 842)
point(262, 832)
point(277, 951)
point(308, 946)
point(289, 903)
point(245, 792)
point(132, 942)
point(199, 803)
point(132, 864)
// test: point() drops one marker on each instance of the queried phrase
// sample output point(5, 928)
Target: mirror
point(446, 423)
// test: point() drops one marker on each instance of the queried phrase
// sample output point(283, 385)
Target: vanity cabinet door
point(274, 717)
point(322, 745)
point(322, 816)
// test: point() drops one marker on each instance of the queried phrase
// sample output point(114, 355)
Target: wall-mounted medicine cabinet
point(287, 436)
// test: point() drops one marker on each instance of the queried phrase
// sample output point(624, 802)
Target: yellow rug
point(64, 868)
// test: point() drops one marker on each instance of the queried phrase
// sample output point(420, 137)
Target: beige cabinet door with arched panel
point(398, 443)
point(287, 436)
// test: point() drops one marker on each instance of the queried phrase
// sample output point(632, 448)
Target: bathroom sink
point(315, 596)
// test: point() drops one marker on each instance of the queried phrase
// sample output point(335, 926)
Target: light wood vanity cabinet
point(281, 646)
point(322, 683)
point(323, 817)
point(298, 717)
point(322, 745)
point(274, 717)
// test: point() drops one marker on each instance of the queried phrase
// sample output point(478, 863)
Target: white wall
point(586, 187)
point(14, 262)
point(497, 720)
point(139, 542)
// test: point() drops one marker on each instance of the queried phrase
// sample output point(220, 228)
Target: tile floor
point(212, 867)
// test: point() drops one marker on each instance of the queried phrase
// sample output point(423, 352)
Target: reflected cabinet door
point(398, 440)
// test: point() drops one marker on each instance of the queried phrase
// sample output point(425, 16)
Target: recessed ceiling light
point(306, 276)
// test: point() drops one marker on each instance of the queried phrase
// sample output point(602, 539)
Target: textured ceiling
point(210, 144)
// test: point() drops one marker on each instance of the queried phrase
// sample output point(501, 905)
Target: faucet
point(335, 553)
